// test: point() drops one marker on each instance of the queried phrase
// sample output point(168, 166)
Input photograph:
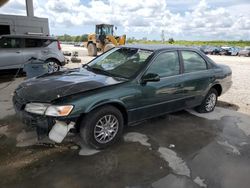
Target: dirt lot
point(239, 94)
point(179, 150)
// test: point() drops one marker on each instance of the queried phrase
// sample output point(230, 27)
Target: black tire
point(205, 107)
point(92, 50)
point(53, 65)
point(88, 128)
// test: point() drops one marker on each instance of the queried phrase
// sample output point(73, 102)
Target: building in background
point(12, 24)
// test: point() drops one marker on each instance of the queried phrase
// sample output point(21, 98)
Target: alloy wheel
point(210, 102)
point(106, 129)
point(52, 67)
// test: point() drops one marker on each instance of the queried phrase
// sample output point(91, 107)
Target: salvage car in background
point(245, 52)
point(214, 51)
point(123, 86)
point(16, 50)
point(230, 50)
point(234, 51)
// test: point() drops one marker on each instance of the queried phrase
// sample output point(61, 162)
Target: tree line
point(84, 38)
point(240, 43)
point(69, 38)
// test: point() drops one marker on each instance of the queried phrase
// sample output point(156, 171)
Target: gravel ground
point(239, 94)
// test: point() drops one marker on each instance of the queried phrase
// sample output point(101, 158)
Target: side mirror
point(150, 77)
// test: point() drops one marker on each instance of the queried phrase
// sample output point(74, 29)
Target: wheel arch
point(89, 43)
point(218, 88)
point(54, 59)
point(115, 103)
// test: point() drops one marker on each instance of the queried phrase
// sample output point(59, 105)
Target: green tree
point(84, 38)
point(171, 40)
point(77, 39)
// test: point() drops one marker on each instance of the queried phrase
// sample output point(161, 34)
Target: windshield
point(104, 30)
point(121, 62)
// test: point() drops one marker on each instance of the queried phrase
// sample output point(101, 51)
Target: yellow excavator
point(103, 39)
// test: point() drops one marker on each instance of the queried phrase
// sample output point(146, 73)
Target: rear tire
point(209, 102)
point(92, 50)
point(102, 127)
point(53, 65)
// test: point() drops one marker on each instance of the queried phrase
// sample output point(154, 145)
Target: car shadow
point(228, 105)
point(10, 75)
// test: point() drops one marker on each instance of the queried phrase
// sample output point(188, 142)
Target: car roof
point(158, 47)
point(29, 36)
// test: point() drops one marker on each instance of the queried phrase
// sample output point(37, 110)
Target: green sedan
point(123, 86)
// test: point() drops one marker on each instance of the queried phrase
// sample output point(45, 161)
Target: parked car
point(123, 86)
point(213, 51)
point(234, 51)
point(77, 44)
point(230, 50)
point(226, 50)
point(245, 52)
point(16, 50)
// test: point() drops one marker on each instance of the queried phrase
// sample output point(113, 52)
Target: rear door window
point(193, 62)
point(10, 43)
point(33, 43)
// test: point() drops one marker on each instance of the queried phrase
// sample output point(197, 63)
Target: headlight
point(49, 110)
point(36, 108)
point(59, 110)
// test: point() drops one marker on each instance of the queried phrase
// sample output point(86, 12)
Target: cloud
point(205, 20)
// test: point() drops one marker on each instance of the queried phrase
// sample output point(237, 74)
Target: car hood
point(49, 87)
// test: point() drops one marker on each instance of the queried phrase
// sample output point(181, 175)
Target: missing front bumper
point(60, 130)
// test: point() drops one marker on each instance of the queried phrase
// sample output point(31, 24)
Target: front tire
point(102, 127)
point(92, 50)
point(209, 102)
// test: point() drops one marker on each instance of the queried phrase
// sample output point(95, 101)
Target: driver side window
point(166, 64)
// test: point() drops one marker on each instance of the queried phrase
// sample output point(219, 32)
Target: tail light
point(59, 45)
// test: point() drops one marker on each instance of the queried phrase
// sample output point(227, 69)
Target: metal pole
point(29, 8)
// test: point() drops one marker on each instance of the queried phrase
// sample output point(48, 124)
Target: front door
point(163, 96)
point(10, 53)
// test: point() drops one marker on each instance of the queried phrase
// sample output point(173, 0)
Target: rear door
point(10, 53)
point(33, 48)
point(196, 77)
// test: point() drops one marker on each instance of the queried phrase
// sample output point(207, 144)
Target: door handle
point(18, 52)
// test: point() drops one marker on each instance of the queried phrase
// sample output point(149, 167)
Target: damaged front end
point(48, 120)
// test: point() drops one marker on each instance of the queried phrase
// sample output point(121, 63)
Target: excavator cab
point(104, 29)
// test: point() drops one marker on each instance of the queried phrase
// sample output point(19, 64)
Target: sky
point(179, 19)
